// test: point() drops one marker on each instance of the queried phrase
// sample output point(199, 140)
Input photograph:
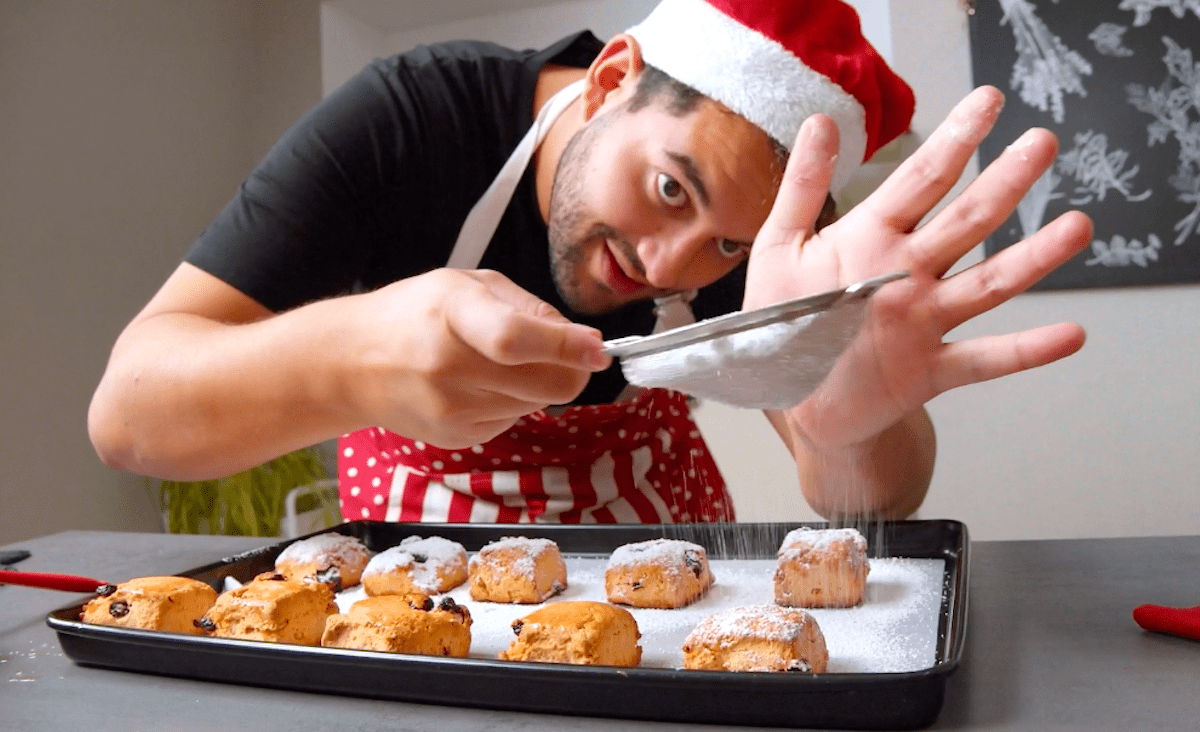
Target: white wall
point(1106, 443)
point(125, 125)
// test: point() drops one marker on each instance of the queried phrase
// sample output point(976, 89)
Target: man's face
point(646, 204)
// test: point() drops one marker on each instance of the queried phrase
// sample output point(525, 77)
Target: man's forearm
point(186, 397)
point(206, 382)
point(887, 476)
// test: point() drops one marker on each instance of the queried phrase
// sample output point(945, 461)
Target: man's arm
point(858, 432)
point(887, 476)
point(205, 381)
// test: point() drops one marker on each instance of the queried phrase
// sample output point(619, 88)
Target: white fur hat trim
point(751, 74)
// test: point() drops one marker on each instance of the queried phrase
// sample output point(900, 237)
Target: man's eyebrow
point(692, 174)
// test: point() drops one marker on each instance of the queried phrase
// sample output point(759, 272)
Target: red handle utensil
point(1181, 621)
point(48, 581)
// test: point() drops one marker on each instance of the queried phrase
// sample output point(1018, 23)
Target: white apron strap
point(480, 225)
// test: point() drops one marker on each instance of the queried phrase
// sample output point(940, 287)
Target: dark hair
point(680, 100)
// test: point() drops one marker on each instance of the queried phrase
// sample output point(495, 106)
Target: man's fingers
point(529, 360)
point(1012, 270)
point(535, 384)
point(507, 291)
point(984, 205)
point(478, 431)
point(518, 328)
point(927, 175)
point(805, 184)
point(981, 359)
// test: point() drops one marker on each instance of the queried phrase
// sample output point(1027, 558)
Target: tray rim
point(80, 641)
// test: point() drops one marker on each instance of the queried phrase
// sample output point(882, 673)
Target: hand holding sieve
point(769, 358)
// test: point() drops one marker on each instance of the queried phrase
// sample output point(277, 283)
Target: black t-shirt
point(372, 185)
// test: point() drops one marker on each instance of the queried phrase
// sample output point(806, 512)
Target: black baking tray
point(910, 700)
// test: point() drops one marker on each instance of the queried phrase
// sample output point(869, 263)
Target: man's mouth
point(614, 274)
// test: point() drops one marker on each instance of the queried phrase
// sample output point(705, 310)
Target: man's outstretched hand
point(900, 361)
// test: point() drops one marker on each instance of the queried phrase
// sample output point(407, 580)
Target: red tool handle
point(1183, 621)
point(47, 581)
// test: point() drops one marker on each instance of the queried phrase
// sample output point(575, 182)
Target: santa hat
point(776, 62)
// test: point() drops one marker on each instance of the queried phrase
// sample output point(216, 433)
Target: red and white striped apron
point(642, 461)
point(636, 461)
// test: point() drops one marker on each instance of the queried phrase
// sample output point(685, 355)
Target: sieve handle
point(746, 319)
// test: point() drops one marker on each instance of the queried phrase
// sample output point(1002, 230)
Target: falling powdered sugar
point(806, 545)
point(520, 552)
point(421, 558)
point(823, 539)
point(767, 622)
point(342, 549)
point(672, 555)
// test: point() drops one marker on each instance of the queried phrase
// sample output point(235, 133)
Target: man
point(319, 305)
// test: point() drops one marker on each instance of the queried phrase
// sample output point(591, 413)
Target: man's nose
point(667, 256)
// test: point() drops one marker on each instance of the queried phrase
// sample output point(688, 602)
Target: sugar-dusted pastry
point(427, 566)
point(517, 569)
point(335, 559)
point(821, 568)
point(584, 632)
point(172, 604)
point(272, 608)
point(411, 623)
point(659, 573)
point(757, 638)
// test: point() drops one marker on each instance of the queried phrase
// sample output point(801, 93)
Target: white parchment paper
point(893, 631)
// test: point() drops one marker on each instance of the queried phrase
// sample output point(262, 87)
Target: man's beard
point(567, 214)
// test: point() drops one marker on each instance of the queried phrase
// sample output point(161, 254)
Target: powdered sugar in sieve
point(771, 358)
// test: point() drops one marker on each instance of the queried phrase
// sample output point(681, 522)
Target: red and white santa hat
point(776, 62)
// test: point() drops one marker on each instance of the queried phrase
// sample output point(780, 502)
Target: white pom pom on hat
point(777, 62)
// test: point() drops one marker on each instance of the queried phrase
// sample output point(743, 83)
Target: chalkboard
point(1118, 82)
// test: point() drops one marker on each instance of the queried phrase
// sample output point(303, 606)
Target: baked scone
point(428, 566)
point(757, 638)
point(172, 604)
point(332, 558)
point(821, 568)
point(659, 573)
point(402, 624)
point(272, 608)
point(517, 569)
point(583, 633)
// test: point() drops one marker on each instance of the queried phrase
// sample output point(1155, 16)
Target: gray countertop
point(1051, 645)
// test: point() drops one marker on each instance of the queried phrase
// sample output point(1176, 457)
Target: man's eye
point(730, 249)
point(671, 191)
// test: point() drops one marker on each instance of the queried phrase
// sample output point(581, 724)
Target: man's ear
point(616, 69)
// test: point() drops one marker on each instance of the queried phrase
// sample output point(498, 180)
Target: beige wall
point(1104, 443)
point(124, 126)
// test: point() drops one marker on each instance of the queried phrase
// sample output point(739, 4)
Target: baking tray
point(909, 700)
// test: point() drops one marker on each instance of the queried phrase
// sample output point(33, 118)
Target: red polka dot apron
point(642, 460)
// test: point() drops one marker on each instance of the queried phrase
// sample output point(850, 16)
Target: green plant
point(249, 503)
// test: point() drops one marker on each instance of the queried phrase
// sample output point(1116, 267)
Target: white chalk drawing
point(1122, 252)
point(1173, 104)
point(1145, 8)
point(1109, 40)
point(1045, 69)
point(1097, 170)
point(1031, 211)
